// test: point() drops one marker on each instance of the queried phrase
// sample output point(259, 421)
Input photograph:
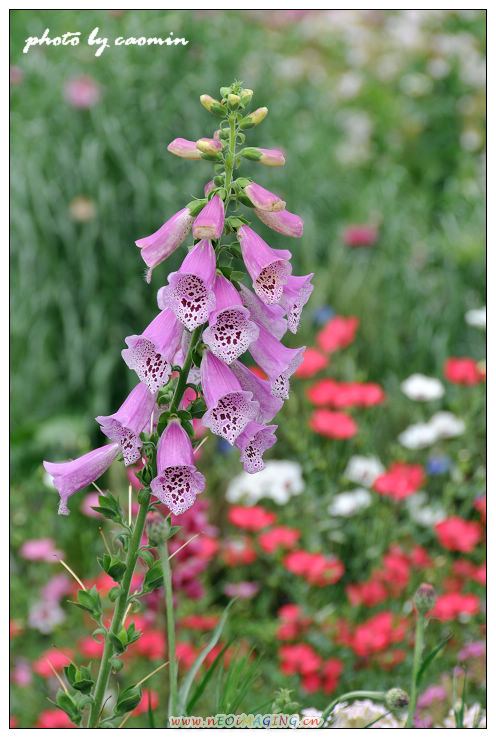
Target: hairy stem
point(417, 659)
point(120, 609)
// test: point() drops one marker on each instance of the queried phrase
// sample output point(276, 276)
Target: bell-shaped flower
point(209, 187)
point(270, 316)
point(230, 331)
point(210, 146)
point(263, 199)
point(151, 353)
point(131, 419)
point(282, 221)
point(229, 408)
point(295, 296)
point(277, 361)
point(210, 221)
point(269, 405)
point(184, 148)
point(269, 268)
point(178, 482)
point(269, 157)
point(71, 476)
point(157, 247)
point(189, 292)
point(252, 442)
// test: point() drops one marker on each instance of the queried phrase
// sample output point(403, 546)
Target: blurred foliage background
point(382, 117)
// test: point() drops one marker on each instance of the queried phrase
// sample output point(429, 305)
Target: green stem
point(232, 154)
point(183, 376)
point(357, 695)
point(120, 609)
point(171, 633)
point(417, 659)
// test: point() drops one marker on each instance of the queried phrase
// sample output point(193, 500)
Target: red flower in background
point(148, 701)
point(89, 648)
point(200, 622)
point(185, 654)
point(151, 645)
point(333, 668)
point(299, 658)
point(333, 425)
point(57, 657)
point(294, 624)
point(235, 553)
point(257, 371)
point(52, 719)
point(251, 518)
point(313, 361)
point(400, 480)
point(463, 371)
point(315, 568)
point(337, 333)
point(344, 394)
point(457, 534)
point(378, 633)
point(368, 594)
point(480, 506)
point(357, 236)
point(280, 537)
point(450, 606)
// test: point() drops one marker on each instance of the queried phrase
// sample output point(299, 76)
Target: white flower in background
point(422, 514)
point(347, 504)
point(473, 717)
point(421, 388)
point(470, 139)
point(279, 481)
point(447, 425)
point(438, 67)
point(476, 318)
point(363, 470)
point(360, 713)
point(349, 85)
point(417, 436)
point(45, 616)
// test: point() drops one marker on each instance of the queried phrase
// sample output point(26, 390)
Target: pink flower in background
point(243, 590)
point(82, 92)
point(40, 549)
point(16, 75)
point(21, 674)
point(356, 236)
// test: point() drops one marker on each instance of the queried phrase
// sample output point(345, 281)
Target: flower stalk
point(417, 661)
point(171, 629)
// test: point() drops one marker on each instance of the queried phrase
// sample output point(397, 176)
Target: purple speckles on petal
point(269, 284)
point(190, 300)
point(177, 487)
point(231, 334)
point(231, 415)
point(252, 443)
point(152, 368)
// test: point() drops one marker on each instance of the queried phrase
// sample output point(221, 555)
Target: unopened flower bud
point(209, 146)
point(246, 95)
point(269, 157)
point(396, 699)
point(213, 106)
point(157, 530)
point(224, 91)
point(425, 598)
point(233, 100)
point(184, 148)
point(253, 119)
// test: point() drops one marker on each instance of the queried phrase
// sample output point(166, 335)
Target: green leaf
point(430, 657)
point(190, 676)
point(154, 577)
point(204, 682)
point(128, 700)
point(116, 663)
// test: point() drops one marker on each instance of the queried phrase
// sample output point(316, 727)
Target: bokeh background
point(382, 117)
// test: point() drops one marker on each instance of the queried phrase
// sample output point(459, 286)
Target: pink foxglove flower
point(210, 221)
point(177, 482)
point(229, 408)
point(269, 405)
point(210, 146)
point(262, 199)
point(132, 418)
point(40, 549)
point(282, 221)
point(209, 187)
point(151, 353)
point(277, 361)
point(295, 296)
point(157, 247)
point(230, 330)
point(184, 148)
point(189, 292)
point(269, 268)
point(252, 442)
point(270, 316)
point(71, 476)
